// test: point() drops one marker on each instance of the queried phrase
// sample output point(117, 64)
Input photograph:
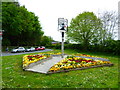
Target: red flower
point(71, 60)
point(30, 59)
point(77, 61)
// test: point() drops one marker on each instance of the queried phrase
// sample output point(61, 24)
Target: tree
point(9, 10)
point(20, 26)
point(46, 40)
point(85, 29)
point(109, 20)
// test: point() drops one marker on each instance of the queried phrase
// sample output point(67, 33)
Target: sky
point(49, 11)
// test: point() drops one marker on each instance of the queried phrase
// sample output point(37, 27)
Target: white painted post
point(62, 46)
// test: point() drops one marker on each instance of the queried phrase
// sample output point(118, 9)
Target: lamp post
point(62, 27)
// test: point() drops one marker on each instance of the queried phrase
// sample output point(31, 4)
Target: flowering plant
point(28, 59)
point(72, 62)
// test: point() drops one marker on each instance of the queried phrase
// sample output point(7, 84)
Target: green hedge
point(112, 47)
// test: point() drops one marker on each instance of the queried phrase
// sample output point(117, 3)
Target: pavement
point(45, 66)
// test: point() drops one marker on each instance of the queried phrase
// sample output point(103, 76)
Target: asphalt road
point(9, 53)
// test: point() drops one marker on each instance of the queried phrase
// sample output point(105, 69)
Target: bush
point(111, 46)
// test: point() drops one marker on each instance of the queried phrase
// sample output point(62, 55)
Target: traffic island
point(48, 63)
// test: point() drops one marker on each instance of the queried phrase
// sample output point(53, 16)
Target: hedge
point(112, 47)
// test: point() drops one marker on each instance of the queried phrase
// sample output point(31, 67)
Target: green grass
point(13, 75)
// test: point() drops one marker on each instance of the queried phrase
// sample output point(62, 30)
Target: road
point(9, 53)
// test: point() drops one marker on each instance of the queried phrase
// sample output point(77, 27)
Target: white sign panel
point(60, 21)
point(62, 24)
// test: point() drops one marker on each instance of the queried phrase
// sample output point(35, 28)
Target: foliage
point(46, 40)
point(20, 26)
point(93, 34)
point(14, 77)
point(54, 46)
point(85, 29)
point(111, 46)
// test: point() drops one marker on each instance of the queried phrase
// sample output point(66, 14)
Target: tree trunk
point(85, 45)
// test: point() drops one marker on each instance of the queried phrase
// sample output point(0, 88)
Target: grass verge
point(13, 75)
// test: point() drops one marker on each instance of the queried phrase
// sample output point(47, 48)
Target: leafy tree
point(85, 29)
point(20, 26)
point(46, 40)
point(9, 10)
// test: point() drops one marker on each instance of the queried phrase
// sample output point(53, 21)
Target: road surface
point(9, 53)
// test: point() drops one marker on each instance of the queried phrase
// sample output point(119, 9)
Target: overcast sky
point(49, 11)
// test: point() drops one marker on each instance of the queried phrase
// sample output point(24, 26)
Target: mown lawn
point(103, 77)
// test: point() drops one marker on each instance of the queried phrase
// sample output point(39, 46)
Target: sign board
point(62, 24)
point(60, 21)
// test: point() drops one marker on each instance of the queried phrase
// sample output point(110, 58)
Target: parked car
point(40, 48)
point(30, 49)
point(18, 49)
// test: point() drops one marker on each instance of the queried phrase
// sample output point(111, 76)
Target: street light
point(62, 27)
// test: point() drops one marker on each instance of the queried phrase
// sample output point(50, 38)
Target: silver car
point(30, 49)
point(18, 49)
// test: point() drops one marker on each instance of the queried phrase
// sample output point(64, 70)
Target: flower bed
point(75, 63)
point(31, 60)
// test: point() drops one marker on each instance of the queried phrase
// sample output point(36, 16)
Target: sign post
point(62, 46)
point(62, 27)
